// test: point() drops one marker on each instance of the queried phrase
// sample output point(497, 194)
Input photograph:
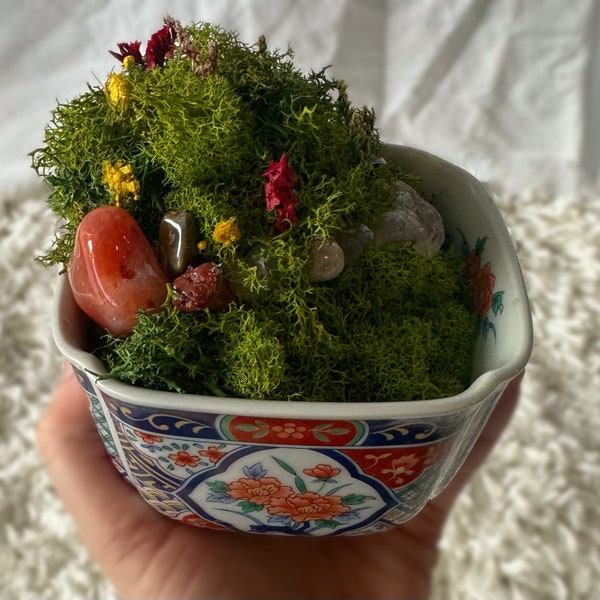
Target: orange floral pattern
point(322, 472)
point(303, 432)
point(482, 282)
point(308, 507)
point(212, 453)
point(184, 459)
point(173, 456)
point(258, 491)
point(289, 507)
point(209, 479)
point(148, 437)
point(192, 519)
point(289, 430)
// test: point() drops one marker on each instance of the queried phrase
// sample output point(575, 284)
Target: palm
point(169, 560)
point(146, 555)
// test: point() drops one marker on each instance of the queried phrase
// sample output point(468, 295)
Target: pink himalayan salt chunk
point(113, 271)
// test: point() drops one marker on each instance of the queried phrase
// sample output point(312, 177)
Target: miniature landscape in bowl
point(283, 325)
point(327, 468)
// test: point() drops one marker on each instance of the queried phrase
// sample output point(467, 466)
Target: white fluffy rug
point(527, 526)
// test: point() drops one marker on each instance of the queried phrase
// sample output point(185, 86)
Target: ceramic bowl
point(302, 468)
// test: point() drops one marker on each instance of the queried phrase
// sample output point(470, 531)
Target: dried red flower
point(286, 217)
point(129, 49)
point(160, 47)
point(279, 192)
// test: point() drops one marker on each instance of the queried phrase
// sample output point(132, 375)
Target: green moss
point(254, 355)
point(197, 129)
point(393, 326)
point(157, 355)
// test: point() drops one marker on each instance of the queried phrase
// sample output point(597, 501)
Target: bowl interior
point(472, 223)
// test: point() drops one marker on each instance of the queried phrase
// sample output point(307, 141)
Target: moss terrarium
point(262, 197)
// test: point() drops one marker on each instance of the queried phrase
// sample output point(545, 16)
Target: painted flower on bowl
point(322, 472)
point(315, 504)
point(308, 507)
point(482, 282)
point(261, 491)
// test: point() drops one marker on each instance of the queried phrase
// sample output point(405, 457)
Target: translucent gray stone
point(412, 219)
point(256, 258)
point(353, 241)
point(327, 261)
point(177, 241)
point(264, 269)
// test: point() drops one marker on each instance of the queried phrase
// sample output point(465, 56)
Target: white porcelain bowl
point(303, 468)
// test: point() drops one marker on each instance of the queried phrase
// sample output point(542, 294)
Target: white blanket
point(508, 89)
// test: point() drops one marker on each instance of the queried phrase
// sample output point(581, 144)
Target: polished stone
point(178, 238)
point(202, 288)
point(327, 261)
point(114, 272)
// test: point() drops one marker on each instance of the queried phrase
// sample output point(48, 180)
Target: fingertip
point(66, 412)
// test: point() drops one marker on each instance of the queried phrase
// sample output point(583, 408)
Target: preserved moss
point(199, 133)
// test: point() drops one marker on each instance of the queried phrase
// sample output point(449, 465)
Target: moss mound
point(199, 126)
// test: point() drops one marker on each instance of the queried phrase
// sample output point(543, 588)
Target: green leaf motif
point(220, 487)
point(497, 300)
point(320, 436)
point(300, 485)
point(337, 431)
point(322, 523)
point(247, 427)
point(248, 507)
point(353, 499)
point(480, 245)
point(285, 466)
point(256, 431)
point(486, 327)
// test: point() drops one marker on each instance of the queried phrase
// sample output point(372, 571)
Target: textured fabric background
point(509, 90)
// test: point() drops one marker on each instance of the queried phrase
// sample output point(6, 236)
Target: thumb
point(95, 494)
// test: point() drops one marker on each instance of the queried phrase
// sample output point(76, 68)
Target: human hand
point(146, 555)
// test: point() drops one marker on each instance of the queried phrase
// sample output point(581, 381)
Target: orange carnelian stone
point(113, 271)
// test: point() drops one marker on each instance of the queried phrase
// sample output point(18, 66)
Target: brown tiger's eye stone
point(178, 241)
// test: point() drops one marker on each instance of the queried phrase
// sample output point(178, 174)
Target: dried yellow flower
point(121, 181)
point(226, 232)
point(117, 89)
point(128, 62)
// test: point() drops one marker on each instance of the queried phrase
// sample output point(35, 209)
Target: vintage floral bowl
point(303, 468)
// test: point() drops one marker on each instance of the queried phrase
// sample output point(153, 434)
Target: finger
point(428, 525)
point(105, 508)
point(492, 431)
